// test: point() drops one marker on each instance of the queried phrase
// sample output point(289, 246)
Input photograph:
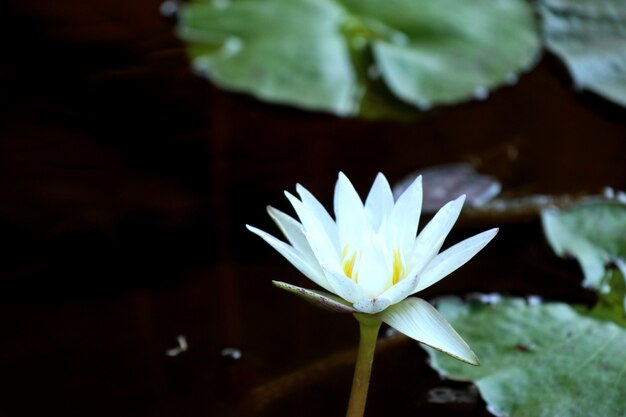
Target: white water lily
point(370, 259)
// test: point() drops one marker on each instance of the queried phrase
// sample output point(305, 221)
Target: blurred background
point(126, 185)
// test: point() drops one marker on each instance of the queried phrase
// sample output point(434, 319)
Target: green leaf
point(589, 37)
point(447, 51)
point(611, 303)
point(594, 233)
point(370, 58)
point(543, 360)
point(285, 51)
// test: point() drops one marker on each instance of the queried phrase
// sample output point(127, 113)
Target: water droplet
point(621, 197)
point(373, 72)
point(608, 192)
point(534, 60)
point(491, 298)
point(231, 46)
point(481, 93)
point(201, 67)
point(496, 412)
point(220, 4)
point(511, 78)
point(231, 353)
point(534, 300)
point(169, 8)
point(424, 105)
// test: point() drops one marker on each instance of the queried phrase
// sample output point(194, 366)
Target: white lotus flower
point(369, 259)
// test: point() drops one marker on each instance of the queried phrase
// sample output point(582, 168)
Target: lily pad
point(594, 233)
point(287, 51)
point(446, 51)
point(542, 360)
point(588, 36)
point(370, 58)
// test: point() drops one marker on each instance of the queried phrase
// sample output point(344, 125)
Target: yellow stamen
point(398, 267)
point(344, 252)
point(348, 262)
point(348, 266)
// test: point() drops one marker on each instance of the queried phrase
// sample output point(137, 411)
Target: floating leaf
point(446, 51)
point(589, 37)
point(285, 51)
point(543, 360)
point(594, 233)
point(371, 58)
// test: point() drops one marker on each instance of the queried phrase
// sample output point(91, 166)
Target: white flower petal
point(369, 246)
point(313, 272)
point(349, 212)
point(419, 320)
point(373, 271)
point(401, 290)
point(372, 305)
point(379, 201)
point(453, 258)
point(294, 232)
point(344, 287)
point(321, 244)
point(317, 209)
point(319, 298)
point(405, 216)
point(431, 238)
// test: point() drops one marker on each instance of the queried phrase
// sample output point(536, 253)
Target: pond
point(127, 184)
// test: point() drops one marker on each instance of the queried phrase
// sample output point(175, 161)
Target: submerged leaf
point(589, 37)
point(541, 360)
point(371, 58)
point(443, 183)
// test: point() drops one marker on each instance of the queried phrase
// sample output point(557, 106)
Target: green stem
point(369, 327)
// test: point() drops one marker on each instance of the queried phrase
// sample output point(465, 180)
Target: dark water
point(126, 182)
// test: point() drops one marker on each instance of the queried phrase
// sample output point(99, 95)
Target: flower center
point(348, 263)
point(350, 268)
point(398, 267)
